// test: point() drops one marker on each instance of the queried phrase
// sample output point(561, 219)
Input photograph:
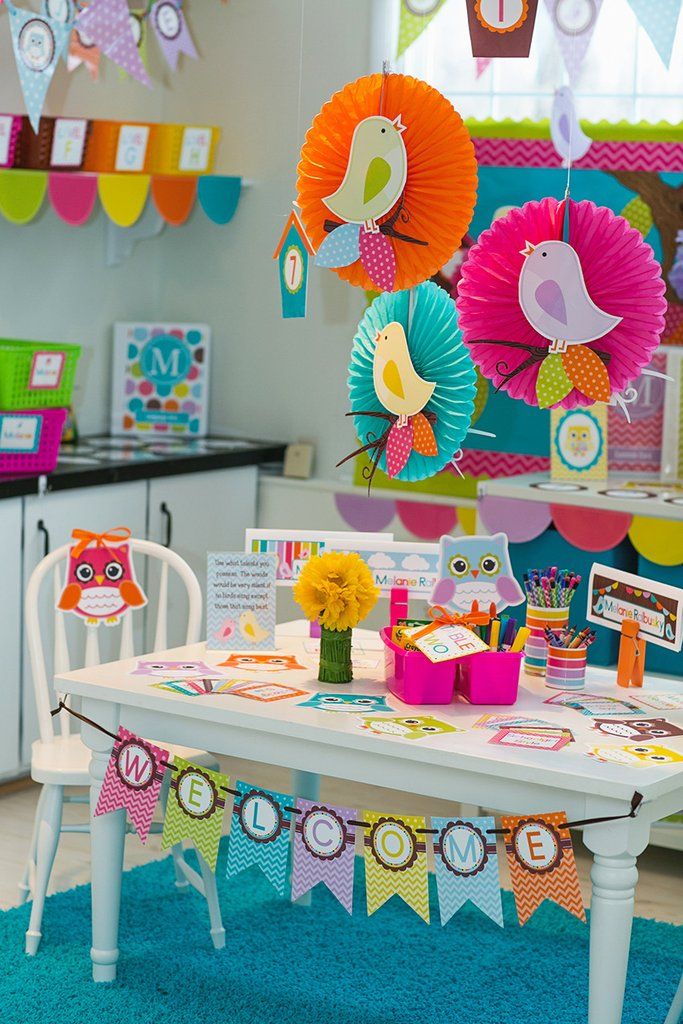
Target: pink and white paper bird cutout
point(554, 297)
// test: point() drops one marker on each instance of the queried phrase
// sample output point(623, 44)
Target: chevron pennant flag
point(107, 24)
point(195, 809)
point(660, 20)
point(133, 779)
point(466, 862)
point(396, 862)
point(324, 850)
point(542, 866)
point(259, 833)
point(37, 41)
point(171, 31)
point(415, 16)
point(574, 27)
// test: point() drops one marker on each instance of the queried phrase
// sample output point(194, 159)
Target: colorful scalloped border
point(123, 197)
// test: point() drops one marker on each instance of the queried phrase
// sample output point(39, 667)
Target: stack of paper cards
point(447, 643)
point(533, 737)
point(197, 687)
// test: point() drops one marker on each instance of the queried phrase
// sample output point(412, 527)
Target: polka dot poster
point(160, 384)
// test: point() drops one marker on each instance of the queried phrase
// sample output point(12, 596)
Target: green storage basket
point(36, 374)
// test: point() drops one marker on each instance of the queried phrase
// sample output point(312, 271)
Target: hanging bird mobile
point(386, 182)
point(561, 304)
point(411, 372)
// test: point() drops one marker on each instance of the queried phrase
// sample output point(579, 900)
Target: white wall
point(273, 378)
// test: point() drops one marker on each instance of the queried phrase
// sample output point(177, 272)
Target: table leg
point(614, 875)
point(306, 785)
point(107, 835)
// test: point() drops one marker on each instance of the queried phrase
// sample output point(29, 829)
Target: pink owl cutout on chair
point(100, 582)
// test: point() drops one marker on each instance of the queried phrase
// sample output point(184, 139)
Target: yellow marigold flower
point(336, 590)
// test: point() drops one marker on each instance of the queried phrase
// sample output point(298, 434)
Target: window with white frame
point(622, 77)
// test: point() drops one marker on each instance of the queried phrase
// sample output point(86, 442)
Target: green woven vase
point(335, 656)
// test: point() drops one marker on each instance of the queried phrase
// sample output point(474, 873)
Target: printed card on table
point(293, 548)
point(594, 704)
point(417, 727)
point(532, 739)
point(394, 563)
point(240, 601)
point(615, 597)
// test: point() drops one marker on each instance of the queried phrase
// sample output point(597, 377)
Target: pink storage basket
point(490, 677)
point(413, 678)
point(29, 440)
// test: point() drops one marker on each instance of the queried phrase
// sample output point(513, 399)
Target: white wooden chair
point(59, 760)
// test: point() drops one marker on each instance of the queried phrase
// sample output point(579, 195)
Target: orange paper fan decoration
point(437, 203)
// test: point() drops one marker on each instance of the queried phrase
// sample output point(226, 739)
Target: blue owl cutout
point(438, 355)
point(475, 569)
point(350, 702)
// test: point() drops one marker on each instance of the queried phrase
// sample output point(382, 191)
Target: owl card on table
point(100, 583)
point(475, 569)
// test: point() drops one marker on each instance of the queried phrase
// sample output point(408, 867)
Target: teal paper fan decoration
point(405, 438)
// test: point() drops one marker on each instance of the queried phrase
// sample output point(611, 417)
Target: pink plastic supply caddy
point(29, 440)
point(491, 677)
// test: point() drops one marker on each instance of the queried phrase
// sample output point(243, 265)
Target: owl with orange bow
point(100, 580)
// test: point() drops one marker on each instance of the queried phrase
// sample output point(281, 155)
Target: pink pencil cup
point(490, 677)
point(566, 668)
point(413, 678)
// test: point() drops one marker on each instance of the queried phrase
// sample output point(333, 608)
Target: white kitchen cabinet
point(10, 631)
point(50, 519)
point(196, 513)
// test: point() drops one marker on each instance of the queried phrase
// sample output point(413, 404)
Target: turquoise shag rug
point(285, 964)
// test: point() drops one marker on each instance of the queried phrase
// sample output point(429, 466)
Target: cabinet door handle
point(42, 528)
point(165, 511)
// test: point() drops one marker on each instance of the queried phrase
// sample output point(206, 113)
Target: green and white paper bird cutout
point(375, 173)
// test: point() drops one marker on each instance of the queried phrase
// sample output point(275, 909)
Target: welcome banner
point(133, 780)
point(259, 835)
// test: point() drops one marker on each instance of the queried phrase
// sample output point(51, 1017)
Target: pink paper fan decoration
point(621, 275)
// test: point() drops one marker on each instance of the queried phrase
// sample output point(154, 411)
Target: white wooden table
point(460, 767)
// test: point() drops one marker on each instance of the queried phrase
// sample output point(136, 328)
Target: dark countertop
point(107, 460)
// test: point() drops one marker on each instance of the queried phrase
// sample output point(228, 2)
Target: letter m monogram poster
point(160, 379)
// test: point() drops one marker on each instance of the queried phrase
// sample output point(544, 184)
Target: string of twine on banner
point(636, 799)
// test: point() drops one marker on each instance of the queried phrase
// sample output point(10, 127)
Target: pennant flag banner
point(542, 866)
point(574, 25)
point(415, 16)
point(260, 834)
point(659, 18)
point(466, 863)
point(396, 862)
point(106, 23)
point(133, 779)
point(482, 64)
point(37, 40)
point(138, 28)
point(323, 851)
point(172, 32)
point(195, 809)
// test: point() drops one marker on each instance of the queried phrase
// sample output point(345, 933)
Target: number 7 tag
point(293, 253)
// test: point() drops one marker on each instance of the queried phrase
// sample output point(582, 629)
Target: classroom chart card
point(293, 548)
point(160, 379)
point(240, 601)
point(615, 597)
point(394, 563)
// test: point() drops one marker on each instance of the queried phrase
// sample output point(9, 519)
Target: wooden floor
point(658, 895)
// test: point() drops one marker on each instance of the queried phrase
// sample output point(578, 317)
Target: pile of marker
point(570, 638)
point(551, 587)
point(502, 634)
